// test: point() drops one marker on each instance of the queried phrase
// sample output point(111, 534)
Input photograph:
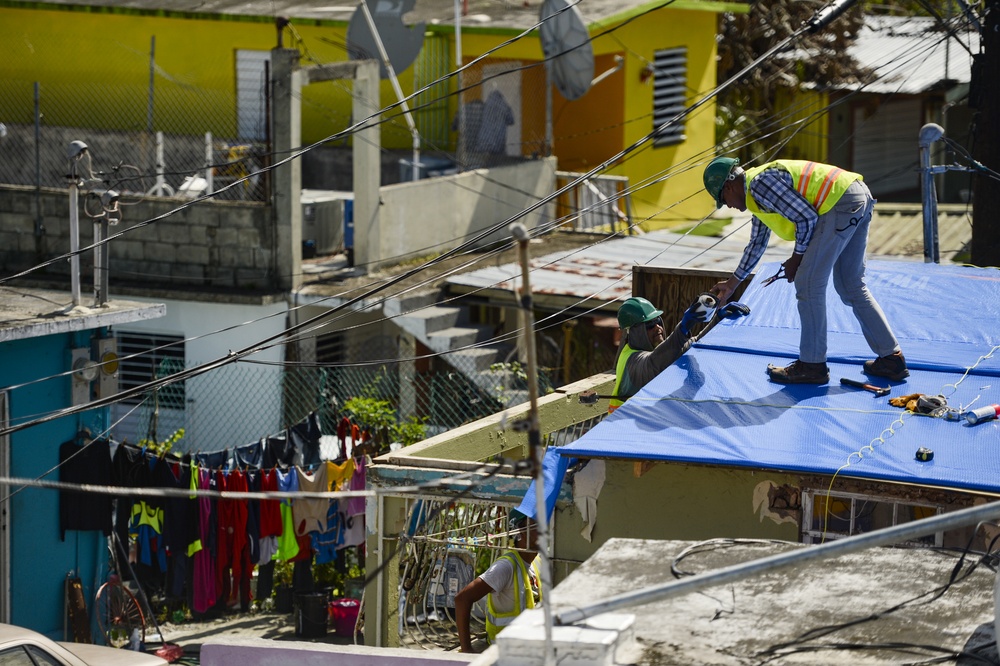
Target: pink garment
point(356, 505)
point(204, 560)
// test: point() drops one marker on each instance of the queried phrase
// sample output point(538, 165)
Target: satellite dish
point(402, 42)
point(566, 44)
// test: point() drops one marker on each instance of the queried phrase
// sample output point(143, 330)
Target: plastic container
point(310, 614)
point(982, 414)
point(344, 615)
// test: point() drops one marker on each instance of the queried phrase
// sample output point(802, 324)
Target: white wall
point(437, 214)
point(229, 406)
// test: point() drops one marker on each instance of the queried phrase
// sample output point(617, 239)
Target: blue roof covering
point(717, 406)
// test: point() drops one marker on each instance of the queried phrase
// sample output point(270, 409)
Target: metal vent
point(669, 94)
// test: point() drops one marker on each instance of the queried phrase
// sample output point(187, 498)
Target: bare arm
point(468, 595)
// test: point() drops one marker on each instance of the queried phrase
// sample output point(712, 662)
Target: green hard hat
point(636, 310)
point(716, 174)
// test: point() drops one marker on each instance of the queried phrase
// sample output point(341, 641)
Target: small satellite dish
point(566, 44)
point(402, 42)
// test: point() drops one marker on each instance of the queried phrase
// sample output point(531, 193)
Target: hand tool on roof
point(777, 276)
point(877, 390)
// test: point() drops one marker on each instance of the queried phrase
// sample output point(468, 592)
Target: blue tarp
point(554, 468)
point(717, 406)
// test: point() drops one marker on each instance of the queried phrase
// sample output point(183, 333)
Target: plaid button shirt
point(774, 192)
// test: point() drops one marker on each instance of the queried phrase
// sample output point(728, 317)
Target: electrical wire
point(959, 572)
point(530, 209)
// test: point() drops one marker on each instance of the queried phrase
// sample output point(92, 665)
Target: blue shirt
point(774, 192)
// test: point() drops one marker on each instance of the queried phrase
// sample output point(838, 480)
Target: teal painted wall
point(39, 559)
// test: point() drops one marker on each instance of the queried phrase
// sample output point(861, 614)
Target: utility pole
point(984, 97)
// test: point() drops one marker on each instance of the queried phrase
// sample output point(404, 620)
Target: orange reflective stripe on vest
point(825, 187)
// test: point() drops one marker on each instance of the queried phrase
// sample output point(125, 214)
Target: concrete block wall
point(212, 245)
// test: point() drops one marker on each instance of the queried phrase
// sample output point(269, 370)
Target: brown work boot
point(892, 367)
point(800, 372)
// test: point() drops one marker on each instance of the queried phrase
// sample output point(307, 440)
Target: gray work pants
point(838, 248)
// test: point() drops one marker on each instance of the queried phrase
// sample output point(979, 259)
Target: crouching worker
point(509, 585)
point(646, 351)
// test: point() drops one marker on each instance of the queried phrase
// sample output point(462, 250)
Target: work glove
point(732, 310)
point(702, 310)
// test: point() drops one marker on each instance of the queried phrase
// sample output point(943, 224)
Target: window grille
point(853, 513)
point(669, 94)
point(154, 361)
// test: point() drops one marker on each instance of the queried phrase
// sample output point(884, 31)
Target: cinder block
point(162, 252)
point(597, 641)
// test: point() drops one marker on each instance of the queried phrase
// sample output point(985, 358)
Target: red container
point(344, 616)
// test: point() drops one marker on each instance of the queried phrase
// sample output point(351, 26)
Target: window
point(155, 360)
point(669, 93)
point(43, 658)
point(15, 657)
point(331, 348)
point(852, 513)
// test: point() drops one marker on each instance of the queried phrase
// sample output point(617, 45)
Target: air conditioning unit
point(324, 214)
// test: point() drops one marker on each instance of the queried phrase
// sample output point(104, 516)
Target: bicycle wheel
point(118, 614)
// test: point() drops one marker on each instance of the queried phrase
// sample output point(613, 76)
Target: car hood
point(96, 654)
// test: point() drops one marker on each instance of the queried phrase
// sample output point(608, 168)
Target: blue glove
point(701, 310)
point(732, 310)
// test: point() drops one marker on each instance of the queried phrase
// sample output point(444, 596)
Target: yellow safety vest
point(523, 598)
point(618, 401)
point(820, 184)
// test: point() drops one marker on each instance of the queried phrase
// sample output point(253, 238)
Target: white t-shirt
point(499, 577)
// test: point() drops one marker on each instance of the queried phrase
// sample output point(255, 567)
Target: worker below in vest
point(826, 211)
point(646, 351)
point(509, 586)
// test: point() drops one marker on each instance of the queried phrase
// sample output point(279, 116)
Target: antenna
point(566, 44)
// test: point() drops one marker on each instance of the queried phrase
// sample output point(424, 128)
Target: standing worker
point(826, 211)
point(646, 351)
point(508, 585)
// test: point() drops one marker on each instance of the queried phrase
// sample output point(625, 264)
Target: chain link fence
point(240, 403)
point(262, 402)
point(501, 114)
point(149, 131)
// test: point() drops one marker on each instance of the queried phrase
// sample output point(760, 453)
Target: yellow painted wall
point(806, 124)
point(93, 68)
point(618, 111)
point(678, 197)
point(94, 72)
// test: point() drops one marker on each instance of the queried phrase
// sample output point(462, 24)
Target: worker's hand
point(792, 266)
point(724, 290)
point(732, 310)
point(701, 310)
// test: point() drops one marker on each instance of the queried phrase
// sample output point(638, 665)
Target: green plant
point(410, 431)
point(159, 448)
point(283, 571)
point(378, 416)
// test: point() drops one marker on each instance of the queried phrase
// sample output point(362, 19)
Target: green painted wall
point(673, 501)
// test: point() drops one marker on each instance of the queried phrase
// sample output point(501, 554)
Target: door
point(505, 77)
point(4, 514)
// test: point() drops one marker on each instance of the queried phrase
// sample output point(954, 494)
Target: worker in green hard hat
point(826, 211)
point(645, 350)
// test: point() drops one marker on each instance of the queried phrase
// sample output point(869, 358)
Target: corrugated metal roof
point(476, 13)
point(911, 54)
point(602, 273)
